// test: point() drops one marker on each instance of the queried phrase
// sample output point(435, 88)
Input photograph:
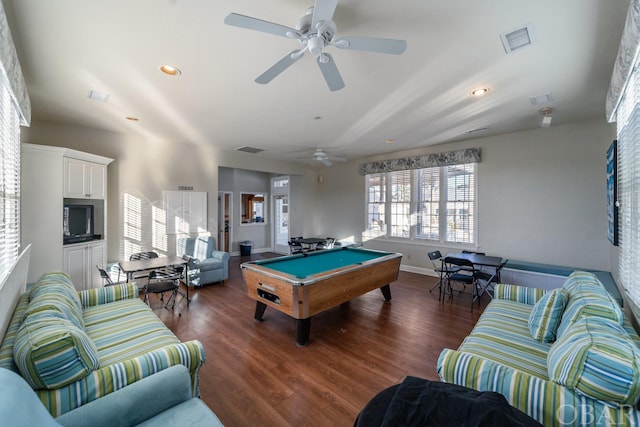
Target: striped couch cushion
point(596, 358)
point(546, 315)
point(502, 335)
point(54, 291)
point(587, 298)
point(125, 330)
point(51, 352)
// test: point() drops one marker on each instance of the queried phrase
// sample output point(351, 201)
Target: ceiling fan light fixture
point(546, 117)
point(293, 35)
point(342, 43)
point(315, 45)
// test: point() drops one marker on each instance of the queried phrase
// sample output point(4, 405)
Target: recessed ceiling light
point(133, 119)
point(170, 70)
point(389, 141)
point(480, 91)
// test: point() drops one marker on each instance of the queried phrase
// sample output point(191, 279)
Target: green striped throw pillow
point(51, 352)
point(546, 315)
point(597, 358)
point(55, 290)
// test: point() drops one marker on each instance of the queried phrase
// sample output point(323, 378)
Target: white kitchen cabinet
point(45, 189)
point(186, 211)
point(80, 262)
point(83, 179)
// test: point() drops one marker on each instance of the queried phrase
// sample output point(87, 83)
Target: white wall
point(144, 168)
point(541, 197)
point(541, 192)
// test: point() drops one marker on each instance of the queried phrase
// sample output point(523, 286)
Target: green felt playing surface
point(302, 266)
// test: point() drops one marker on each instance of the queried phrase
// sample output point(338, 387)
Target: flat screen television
point(77, 223)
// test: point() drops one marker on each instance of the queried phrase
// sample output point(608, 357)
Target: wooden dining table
point(149, 264)
point(494, 262)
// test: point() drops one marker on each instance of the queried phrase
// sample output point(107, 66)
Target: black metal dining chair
point(159, 283)
point(466, 276)
point(490, 279)
point(106, 277)
point(442, 270)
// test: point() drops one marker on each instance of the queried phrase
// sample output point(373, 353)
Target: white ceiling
point(68, 47)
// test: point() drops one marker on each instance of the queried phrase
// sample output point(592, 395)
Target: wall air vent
point(518, 38)
point(248, 149)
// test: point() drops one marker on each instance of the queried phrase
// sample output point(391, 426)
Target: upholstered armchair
point(206, 263)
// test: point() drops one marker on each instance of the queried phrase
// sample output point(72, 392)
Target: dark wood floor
point(256, 375)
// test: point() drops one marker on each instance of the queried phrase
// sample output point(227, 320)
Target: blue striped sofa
point(75, 347)
point(583, 370)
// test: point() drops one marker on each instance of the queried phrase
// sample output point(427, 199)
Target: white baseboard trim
point(418, 270)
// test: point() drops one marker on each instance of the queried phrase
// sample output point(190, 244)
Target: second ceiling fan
point(315, 30)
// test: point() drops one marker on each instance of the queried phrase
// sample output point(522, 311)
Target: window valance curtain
point(11, 73)
point(458, 157)
point(627, 54)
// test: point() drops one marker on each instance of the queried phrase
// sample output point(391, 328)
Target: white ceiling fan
point(321, 156)
point(315, 30)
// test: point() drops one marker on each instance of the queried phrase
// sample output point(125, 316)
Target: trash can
point(245, 248)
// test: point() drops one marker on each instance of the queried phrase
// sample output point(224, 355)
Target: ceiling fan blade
point(256, 24)
point(330, 72)
point(277, 68)
point(326, 162)
point(337, 159)
point(371, 44)
point(323, 11)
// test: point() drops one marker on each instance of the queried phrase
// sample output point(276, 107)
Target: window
point(418, 209)
point(9, 181)
point(628, 123)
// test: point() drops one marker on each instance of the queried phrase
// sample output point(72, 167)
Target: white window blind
point(417, 208)
point(428, 204)
point(400, 183)
point(628, 124)
point(9, 181)
point(461, 198)
point(376, 198)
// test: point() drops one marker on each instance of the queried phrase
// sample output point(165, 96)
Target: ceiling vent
point(248, 149)
point(98, 96)
point(545, 98)
point(518, 38)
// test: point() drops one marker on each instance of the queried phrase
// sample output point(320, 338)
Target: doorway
point(281, 223)
point(225, 217)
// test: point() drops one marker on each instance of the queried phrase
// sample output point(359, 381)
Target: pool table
point(306, 284)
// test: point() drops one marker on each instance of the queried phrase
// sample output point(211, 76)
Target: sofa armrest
point(547, 402)
point(134, 403)
point(107, 294)
point(516, 293)
point(110, 378)
point(220, 255)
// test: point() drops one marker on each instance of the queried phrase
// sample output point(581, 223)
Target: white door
point(225, 220)
point(281, 224)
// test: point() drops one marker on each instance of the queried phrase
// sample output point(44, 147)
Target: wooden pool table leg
point(260, 308)
point(303, 326)
point(386, 292)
